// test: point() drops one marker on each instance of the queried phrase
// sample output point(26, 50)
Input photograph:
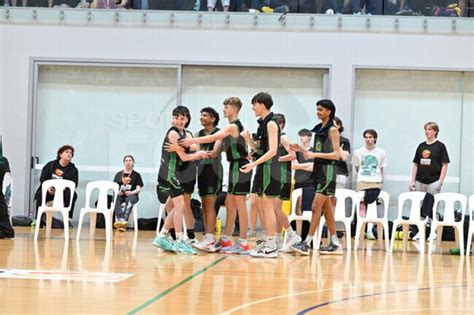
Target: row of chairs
point(341, 215)
point(104, 188)
point(415, 198)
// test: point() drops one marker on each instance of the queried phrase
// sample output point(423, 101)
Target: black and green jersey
point(236, 149)
point(187, 169)
point(263, 144)
point(209, 147)
point(285, 166)
point(323, 142)
point(170, 161)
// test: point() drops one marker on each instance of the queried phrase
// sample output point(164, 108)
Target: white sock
point(309, 238)
point(164, 232)
point(209, 236)
point(242, 241)
point(334, 239)
point(369, 227)
point(271, 241)
point(278, 236)
point(179, 236)
point(225, 238)
point(289, 230)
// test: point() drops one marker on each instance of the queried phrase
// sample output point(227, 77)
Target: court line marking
point(311, 308)
point(242, 306)
point(177, 285)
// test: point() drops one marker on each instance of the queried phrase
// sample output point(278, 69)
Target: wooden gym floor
point(369, 281)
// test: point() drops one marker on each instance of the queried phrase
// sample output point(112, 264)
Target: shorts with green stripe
point(268, 180)
point(325, 179)
point(209, 180)
point(169, 188)
point(285, 183)
point(239, 182)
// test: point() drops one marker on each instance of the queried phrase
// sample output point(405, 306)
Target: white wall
point(341, 51)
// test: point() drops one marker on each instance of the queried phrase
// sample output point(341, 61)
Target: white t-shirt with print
point(370, 163)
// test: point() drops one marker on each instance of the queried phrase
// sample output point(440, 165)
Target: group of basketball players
point(270, 155)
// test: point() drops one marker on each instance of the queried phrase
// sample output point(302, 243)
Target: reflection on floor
point(364, 281)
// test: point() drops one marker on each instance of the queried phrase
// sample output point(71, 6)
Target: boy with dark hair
point(170, 186)
point(326, 152)
point(369, 162)
point(209, 175)
point(239, 183)
point(267, 178)
point(286, 155)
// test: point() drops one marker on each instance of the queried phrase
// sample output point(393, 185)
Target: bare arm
point(272, 150)
point(285, 142)
point(344, 154)
point(444, 170)
point(308, 167)
point(413, 177)
point(221, 134)
point(249, 140)
point(216, 151)
point(173, 139)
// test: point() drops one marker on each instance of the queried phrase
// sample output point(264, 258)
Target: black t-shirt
point(54, 170)
point(4, 168)
point(430, 159)
point(128, 181)
point(341, 166)
point(304, 178)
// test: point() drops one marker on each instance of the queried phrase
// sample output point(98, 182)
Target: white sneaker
point(278, 243)
point(265, 252)
point(292, 239)
point(205, 244)
point(416, 237)
point(433, 237)
point(370, 236)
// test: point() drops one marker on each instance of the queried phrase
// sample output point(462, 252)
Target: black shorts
point(239, 182)
point(171, 188)
point(267, 180)
point(325, 179)
point(285, 184)
point(188, 181)
point(209, 180)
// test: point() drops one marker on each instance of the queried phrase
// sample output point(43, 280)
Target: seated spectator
point(130, 183)
point(60, 168)
point(369, 162)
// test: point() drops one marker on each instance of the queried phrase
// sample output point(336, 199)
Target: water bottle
point(218, 228)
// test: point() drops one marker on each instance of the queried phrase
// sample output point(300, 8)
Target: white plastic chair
point(305, 216)
point(60, 185)
point(134, 215)
point(449, 200)
point(340, 214)
point(104, 187)
point(8, 181)
point(471, 224)
point(371, 217)
point(416, 198)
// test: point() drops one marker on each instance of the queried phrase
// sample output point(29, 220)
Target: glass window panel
point(467, 149)
point(105, 113)
point(397, 104)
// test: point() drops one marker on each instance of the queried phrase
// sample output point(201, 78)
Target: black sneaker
point(6, 234)
point(301, 247)
point(331, 249)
